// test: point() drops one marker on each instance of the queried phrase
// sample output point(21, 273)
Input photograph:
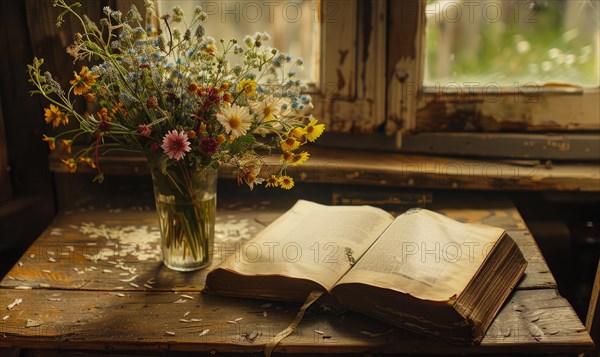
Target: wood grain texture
point(592, 319)
point(328, 165)
point(71, 305)
point(533, 321)
point(108, 249)
point(529, 110)
point(405, 63)
point(75, 253)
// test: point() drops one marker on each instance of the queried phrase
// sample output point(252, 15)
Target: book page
point(426, 255)
point(311, 241)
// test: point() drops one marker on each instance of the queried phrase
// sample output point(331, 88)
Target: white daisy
point(235, 119)
point(267, 109)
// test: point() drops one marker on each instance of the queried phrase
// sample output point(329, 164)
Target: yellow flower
point(286, 182)
point(83, 81)
point(314, 130)
point(248, 86)
point(71, 165)
point(66, 144)
point(55, 116)
point(300, 158)
point(88, 160)
point(103, 114)
point(299, 134)
point(287, 157)
point(119, 108)
point(272, 181)
point(210, 48)
point(193, 87)
point(289, 144)
point(51, 141)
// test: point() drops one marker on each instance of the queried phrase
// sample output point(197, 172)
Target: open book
point(422, 271)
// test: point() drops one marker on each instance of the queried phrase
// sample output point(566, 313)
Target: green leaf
point(99, 177)
point(241, 144)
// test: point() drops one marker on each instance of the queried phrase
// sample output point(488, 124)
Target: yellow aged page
point(426, 255)
point(311, 241)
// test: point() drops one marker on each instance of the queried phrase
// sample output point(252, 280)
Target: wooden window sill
point(329, 165)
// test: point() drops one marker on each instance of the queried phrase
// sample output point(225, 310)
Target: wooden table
point(94, 281)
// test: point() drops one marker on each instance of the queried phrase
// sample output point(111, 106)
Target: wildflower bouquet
point(187, 102)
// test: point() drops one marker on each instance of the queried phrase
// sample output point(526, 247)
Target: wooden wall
point(27, 197)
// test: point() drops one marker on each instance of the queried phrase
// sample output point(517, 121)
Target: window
point(405, 70)
point(504, 43)
point(341, 41)
point(551, 111)
point(292, 24)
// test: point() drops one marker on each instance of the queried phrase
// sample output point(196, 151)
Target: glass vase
point(186, 200)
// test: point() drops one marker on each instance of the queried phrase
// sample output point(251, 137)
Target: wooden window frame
point(547, 119)
point(351, 90)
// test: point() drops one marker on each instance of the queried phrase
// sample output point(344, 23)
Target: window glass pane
point(512, 42)
point(292, 24)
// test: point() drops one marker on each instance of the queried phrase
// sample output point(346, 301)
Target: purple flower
point(209, 146)
point(175, 144)
point(104, 126)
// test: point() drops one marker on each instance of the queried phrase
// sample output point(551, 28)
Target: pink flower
point(144, 130)
point(175, 144)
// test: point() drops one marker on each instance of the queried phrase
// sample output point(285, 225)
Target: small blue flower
point(156, 43)
point(132, 51)
point(288, 58)
point(149, 28)
point(143, 58)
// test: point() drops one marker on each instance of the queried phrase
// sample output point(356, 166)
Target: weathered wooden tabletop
point(94, 281)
